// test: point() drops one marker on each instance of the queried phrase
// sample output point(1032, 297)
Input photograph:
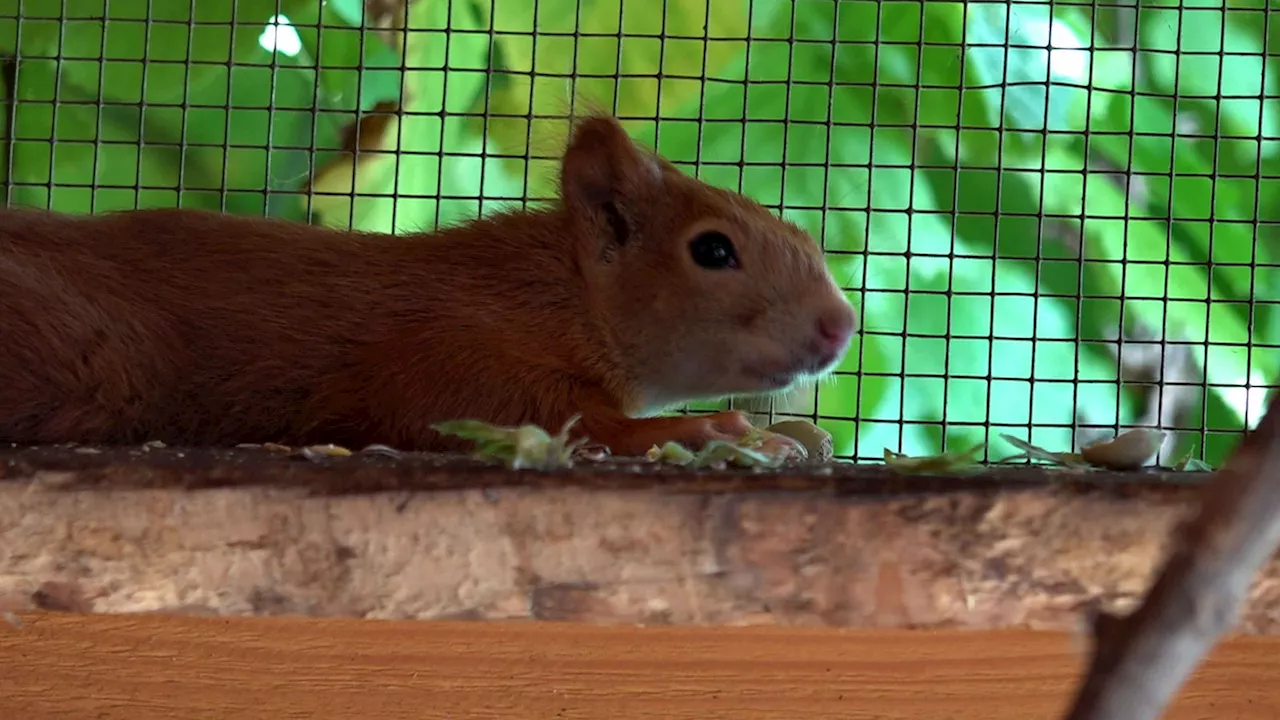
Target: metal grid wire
point(1056, 218)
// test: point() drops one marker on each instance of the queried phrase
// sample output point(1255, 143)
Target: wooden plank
point(158, 667)
point(1035, 555)
point(258, 532)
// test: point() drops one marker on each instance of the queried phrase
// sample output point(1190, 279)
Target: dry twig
point(1141, 661)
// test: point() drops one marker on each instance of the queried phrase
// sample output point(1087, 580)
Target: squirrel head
point(706, 293)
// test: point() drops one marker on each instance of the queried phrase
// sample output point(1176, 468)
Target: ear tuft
point(602, 165)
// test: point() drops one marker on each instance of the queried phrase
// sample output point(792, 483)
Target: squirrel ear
point(604, 173)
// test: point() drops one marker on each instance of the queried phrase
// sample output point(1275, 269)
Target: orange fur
point(197, 328)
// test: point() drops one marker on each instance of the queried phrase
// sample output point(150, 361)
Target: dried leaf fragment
point(1190, 463)
point(963, 462)
point(719, 454)
point(671, 452)
point(527, 447)
point(1035, 452)
point(319, 452)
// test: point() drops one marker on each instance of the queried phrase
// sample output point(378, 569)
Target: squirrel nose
point(836, 325)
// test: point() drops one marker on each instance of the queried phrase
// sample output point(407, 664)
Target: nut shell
point(1129, 450)
point(815, 440)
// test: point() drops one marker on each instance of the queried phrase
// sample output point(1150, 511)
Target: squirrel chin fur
point(197, 328)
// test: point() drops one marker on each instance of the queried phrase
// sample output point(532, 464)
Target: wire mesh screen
point(1056, 219)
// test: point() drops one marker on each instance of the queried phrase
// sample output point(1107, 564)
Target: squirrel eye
point(713, 250)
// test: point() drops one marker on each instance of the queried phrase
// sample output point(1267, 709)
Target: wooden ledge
point(254, 532)
point(79, 467)
point(77, 667)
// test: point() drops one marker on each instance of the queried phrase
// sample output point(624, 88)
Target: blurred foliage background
point(1053, 217)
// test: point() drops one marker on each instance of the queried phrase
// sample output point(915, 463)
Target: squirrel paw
point(733, 425)
point(782, 445)
point(730, 426)
point(636, 435)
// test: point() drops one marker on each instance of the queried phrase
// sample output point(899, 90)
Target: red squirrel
point(640, 290)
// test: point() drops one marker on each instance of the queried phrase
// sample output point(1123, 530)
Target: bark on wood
point(117, 531)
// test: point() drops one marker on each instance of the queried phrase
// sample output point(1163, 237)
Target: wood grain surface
point(153, 667)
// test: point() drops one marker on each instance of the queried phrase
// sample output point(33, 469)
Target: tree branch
point(1141, 661)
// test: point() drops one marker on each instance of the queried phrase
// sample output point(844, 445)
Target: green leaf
point(1039, 257)
point(1033, 82)
point(1173, 295)
point(350, 12)
point(532, 78)
point(138, 108)
point(1190, 463)
point(1213, 217)
point(432, 148)
point(672, 453)
point(357, 68)
point(1043, 382)
point(1200, 49)
point(1035, 364)
point(526, 447)
point(719, 453)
